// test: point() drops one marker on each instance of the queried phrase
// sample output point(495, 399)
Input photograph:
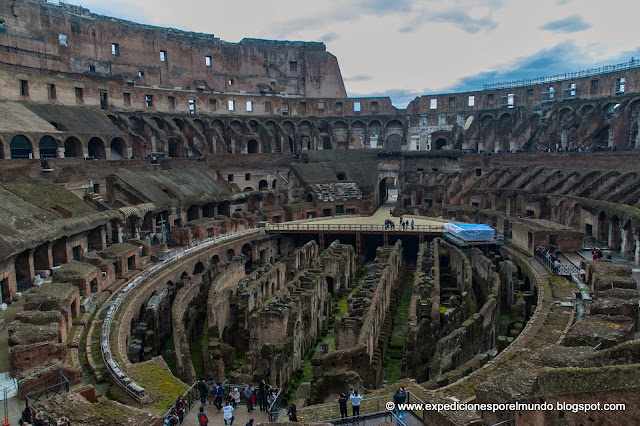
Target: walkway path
point(242, 417)
point(377, 218)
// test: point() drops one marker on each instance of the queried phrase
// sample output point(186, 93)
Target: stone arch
point(199, 125)
point(440, 143)
point(394, 135)
point(118, 148)
point(230, 255)
point(179, 124)
point(224, 208)
point(237, 126)
point(21, 147)
point(96, 148)
point(215, 259)
point(136, 125)
point(585, 109)
point(564, 113)
point(341, 134)
point(504, 119)
point(198, 268)
point(254, 126)
point(159, 122)
point(176, 147)
point(248, 189)
point(48, 147)
point(263, 185)
point(253, 147)
point(358, 134)
point(486, 120)
point(603, 227)
point(73, 147)
point(193, 212)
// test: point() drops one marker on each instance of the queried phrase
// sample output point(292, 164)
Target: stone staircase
point(10, 384)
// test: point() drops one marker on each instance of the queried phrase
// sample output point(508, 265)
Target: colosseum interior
point(177, 207)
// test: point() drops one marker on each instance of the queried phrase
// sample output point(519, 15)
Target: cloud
point(329, 37)
point(358, 77)
point(407, 29)
point(562, 2)
point(463, 21)
point(562, 58)
point(399, 98)
point(570, 24)
point(386, 6)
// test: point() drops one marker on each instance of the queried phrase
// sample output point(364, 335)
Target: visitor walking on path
point(355, 402)
point(342, 402)
point(202, 417)
point(399, 398)
point(248, 393)
point(227, 414)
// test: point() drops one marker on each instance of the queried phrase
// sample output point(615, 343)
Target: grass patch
point(163, 387)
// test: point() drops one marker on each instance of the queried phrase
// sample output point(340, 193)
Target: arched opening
point(383, 189)
point(248, 189)
point(73, 147)
point(247, 252)
point(341, 176)
point(193, 213)
point(20, 147)
point(59, 252)
point(96, 148)
point(230, 255)
point(118, 149)
point(440, 143)
point(326, 142)
point(309, 198)
point(48, 147)
point(263, 185)
point(198, 269)
point(394, 142)
point(273, 184)
point(214, 260)
point(183, 276)
point(208, 210)
point(603, 227)
point(175, 148)
point(615, 240)
point(330, 283)
point(224, 208)
point(252, 146)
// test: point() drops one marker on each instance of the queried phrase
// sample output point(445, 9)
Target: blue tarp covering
point(471, 231)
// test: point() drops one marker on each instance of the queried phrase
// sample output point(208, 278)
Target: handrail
point(126, 383)
point(352, 227)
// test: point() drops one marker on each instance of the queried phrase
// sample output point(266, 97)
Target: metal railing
point(633, 63)
point(353, 228)
point(192, 397)
point(126, 383)
point(564, 270)
point(374, 406)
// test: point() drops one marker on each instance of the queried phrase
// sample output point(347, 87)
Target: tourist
point(609, 256)
point(227, 414)
point(202, 389)
point(235, 397)
point(249, 423)
point(63, 421)
point(248, 393)
point(211, 391)
point(219, 396)
point(179, 407)
point(172, 419)
point(412, 224)
point(293, 413)
point(27, 415)
point(39, 419)
point(399, 398)
point(355, 402)
point(202, 417)
point(262, 398)
point(342, 402)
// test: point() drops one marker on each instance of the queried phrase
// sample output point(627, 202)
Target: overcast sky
point(407, 48)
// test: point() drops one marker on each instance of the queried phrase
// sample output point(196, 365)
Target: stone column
point(626, 247)
point(636, 255)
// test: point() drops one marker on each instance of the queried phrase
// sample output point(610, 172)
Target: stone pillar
point(613, 243)
point(626, 247)
point(117, 233)
point(636, 254)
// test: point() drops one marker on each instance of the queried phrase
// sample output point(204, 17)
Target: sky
point(407, 48)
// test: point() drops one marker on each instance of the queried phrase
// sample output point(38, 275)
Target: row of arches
point(22, 147)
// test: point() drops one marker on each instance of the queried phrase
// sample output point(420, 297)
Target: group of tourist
point(382, 153)
point(404, 224)
point(213, 393)
point(32, 418)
